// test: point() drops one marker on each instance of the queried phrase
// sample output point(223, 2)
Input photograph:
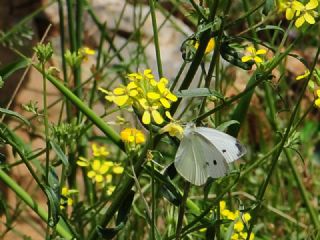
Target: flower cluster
point(239, 221)
point(144, 93)
point(132, 137)
point(303, 13)
point(100, 170)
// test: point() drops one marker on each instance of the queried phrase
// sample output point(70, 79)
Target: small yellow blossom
point(317, 101)
point(235, 236)
point(246, 217)
point(238, 226)
point(66, 197)
point(302, 76)
point(117, 169)
point(85, 52)
point(305, 13)
point(123, 95)
point(98, 170)
point(99, 151)
point(110, 190)
point(254, 55)
point(150, 112)
point(132, 135)
point(222, 205)
point(173, 128)
point(228, 214)
point(210, 46)
point(146, 94)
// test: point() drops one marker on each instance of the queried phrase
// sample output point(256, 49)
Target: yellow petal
point(64, 191)
point(109, 178)
point(69, 201)
point(299, 22)
point(104, 168)
point(318, 93)
point(153, 95)
point(168, 115)
point(140, 138)
point(171, 97)
point(146, 118)
point(309, 18)
point(210, 46)
point(238, 226)
point(165, 102)
point(257, 59)
point(121, 100)
point(119, 91)
point(133, 93)
point(246, 217)
point(157, 117)
point(132, 85)
point(91, 174)
point(289, 13)
point(96, 165)
point(261, 52)
point(297, 6)
point(99, 178)
point(251, 49)
point(117, 169)
point(246, 58)
point(312, 4)
point(222, 205)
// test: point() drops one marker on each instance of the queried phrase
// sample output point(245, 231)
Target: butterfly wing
point(197, 159)
point(228, 146)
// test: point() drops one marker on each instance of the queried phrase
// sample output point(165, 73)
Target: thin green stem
point(28, 200)
point(182, 209)
point(276, 156)
point(155, 37)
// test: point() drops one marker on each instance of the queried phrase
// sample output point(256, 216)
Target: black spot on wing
point(214, 162)
point(224, 151)
point(240, 148)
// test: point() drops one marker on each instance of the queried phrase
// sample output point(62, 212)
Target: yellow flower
point(150, 111)
point(238, 226)
point(85, 52)
point(117, 169)
point(110, 190)
point(304, 13)
point(174, 129)
point(66, 197)
point(123, 95)
point(210, 46)
point(222, 205)
point(302, 76)
point(132, 135)
point(246, 217)
point(235, 236)
point(98, 170)
point(228, 214)
point(317, 101)
point(253, 56)
point(165, 95)
point(99, 151)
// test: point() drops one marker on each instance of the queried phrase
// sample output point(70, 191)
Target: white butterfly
point(206, 152)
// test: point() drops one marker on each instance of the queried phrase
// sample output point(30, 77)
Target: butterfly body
point(206, 152)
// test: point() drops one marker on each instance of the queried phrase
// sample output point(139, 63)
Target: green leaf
point(198, 92)
point(54, 206)
point(224, 126)
point(14, 114)
point(11, 68)
point(268, 6)
point(122, 217)
point(125, 208)
point(166, 188)
point(57, 149)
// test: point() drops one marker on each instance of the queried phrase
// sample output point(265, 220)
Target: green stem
point(276, 156)
point(155, 37)
point(99, 122)
point(46, 122)
point(182, 209)
point(27, 199)
point(303, 191)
